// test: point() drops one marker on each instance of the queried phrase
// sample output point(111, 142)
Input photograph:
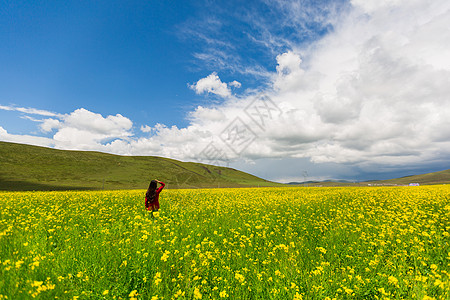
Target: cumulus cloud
point(49, 125)
point(146, 128)
point(212, 84)
point(376, 90)
point(81, 129)
point(207, 115)
point(235, 84)
point(25, 139)
point(85, 120)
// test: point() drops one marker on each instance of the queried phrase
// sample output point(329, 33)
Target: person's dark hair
point(151, 191)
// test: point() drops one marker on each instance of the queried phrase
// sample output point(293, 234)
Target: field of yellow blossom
point(261, 243)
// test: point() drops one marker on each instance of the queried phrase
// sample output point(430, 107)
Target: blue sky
point(106, 56)
point(361, 87)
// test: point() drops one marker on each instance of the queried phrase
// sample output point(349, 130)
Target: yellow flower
point(105, 292)
point(439, 283)
point(347, 290)
point(382, 291)
point(133, 294)
point(223, 294)
point(321, 249)
point(197, 294)
point(393, 280)
point(165, 255)
point(37, 283)
point(178, 294)
point(239, 277)
point(157, 278)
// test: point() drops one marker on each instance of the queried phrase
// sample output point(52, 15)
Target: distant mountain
point(25, 167)
point(441, 177)
point(328, 182)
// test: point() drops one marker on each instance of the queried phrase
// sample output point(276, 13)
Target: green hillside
point(441, 177)
point(25, 167)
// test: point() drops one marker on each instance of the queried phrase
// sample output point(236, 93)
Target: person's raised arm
point(161, 187)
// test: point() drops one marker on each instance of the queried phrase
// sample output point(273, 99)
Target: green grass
point(277, 243)
point(25, 167)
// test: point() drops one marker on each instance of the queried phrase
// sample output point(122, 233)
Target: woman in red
point(152, 195)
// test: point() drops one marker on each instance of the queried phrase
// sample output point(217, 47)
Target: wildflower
point(197, 294)
point(133, 294)
point(157, 278)
point(393, 280)
point(383, 292)
point(165, 255)
point(318, 271)
point(105, 292)
point(223, 294)
point(298, 296)
point(439, 283)
point(19, 264)
point(321, 249)
point(37, 283)
point(347, 290)
point(239, 277)
point(34, 265)
point(178, 294)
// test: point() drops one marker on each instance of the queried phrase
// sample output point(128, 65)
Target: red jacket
point(154, 205)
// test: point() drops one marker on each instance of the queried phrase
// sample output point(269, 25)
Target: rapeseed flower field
point(265, 243)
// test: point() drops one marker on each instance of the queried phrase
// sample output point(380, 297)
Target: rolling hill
point(25, 167)
point(441, 177)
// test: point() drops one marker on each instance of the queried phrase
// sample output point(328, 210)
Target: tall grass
point(277, 243)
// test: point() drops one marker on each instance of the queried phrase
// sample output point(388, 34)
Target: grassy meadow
point(28, 168)
point(249, 243)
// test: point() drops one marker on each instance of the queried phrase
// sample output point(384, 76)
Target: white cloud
point(83, 129)
point(32, 111)
point(25, 139)
point(211, 84)
point(146, 128)
point(289, 73)
point(207, 115)
point(235, 84)
point(50, 124)
point(376, 90)
point(85, 120)
point(80, 129)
